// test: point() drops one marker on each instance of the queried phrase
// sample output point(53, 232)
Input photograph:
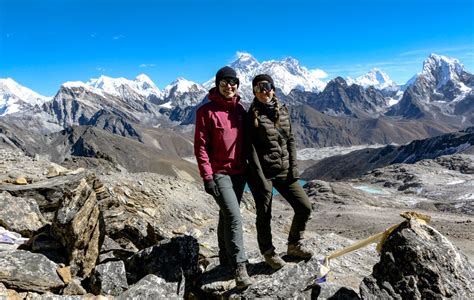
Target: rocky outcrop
point(78, 226)
point(357, 163)
point(417, 262)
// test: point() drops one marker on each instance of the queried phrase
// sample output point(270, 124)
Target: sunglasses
point(263, 87)
point(232, 81)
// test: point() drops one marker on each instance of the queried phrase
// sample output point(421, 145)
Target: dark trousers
point(295, 195)
point(229, 229)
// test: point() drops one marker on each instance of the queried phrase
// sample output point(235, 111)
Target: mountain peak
point(441, 69)
point(292, 61)
point(180, 85)
point(146, 82)
point(143, 78)
point(375, 77)
point(14, 97)
point(245, 62)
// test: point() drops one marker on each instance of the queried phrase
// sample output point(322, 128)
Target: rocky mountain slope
point(438, 100)
point(149, 235)
point(357, 163)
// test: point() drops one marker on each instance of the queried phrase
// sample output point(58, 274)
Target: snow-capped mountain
point(122, 87)
point(341, 99)
point(375, 78)
point(182, 93)
point(441, 89)
point(287, 74)
point(15, 97)
point(77, 102)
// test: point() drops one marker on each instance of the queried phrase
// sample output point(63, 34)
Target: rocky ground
point(143, 209)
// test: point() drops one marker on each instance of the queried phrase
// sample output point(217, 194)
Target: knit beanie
point(262, 77)
point(226, 72)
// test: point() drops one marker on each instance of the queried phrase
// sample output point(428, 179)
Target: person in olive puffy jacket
point(272, 163)
point(219, 150)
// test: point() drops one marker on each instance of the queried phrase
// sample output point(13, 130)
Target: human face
point(262, 92)
point(228, 87)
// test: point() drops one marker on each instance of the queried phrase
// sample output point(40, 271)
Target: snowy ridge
point(142, 85)
point(15, 97)
point(288, 74)
point(183, 93)
point(375, 78)
point(180, 86)
point(442, 69)
point(439, 70)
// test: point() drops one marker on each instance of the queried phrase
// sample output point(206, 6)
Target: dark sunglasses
point(262, 87)
point(232, 81)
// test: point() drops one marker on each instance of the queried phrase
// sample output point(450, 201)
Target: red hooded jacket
point(219, 137)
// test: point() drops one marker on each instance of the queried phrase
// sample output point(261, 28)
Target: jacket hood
point(227, 104)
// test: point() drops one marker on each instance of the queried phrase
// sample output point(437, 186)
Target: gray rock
point(74, 288)
point(20, 215)
point(47, 193)
point(152, 287)
point(298, 279)
point(112, 251)
point(173, 260)
point(29, 271)
point(417, 262)
point(109, 279)
point(78, 226)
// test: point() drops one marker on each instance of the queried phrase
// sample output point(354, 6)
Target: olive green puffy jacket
point(272, 149)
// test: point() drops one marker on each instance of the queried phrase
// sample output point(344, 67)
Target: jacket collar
point(227, 104)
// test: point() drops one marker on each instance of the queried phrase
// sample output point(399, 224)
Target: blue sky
point(44, 43)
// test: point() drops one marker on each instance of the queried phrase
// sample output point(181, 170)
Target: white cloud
point(117, 37)
point(318, 73)
point(147, 65)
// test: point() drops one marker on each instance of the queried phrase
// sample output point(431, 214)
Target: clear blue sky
point(44, 43)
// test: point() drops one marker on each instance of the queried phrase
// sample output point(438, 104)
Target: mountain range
point(369, 109)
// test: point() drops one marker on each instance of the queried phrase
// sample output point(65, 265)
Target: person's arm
point(291, 143)
point(201, 146)
point(256, 174)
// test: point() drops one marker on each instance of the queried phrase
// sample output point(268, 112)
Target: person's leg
point(296, 196)
point(262, 195)
point(223, 258)
point(238, 183)
point(232, 220)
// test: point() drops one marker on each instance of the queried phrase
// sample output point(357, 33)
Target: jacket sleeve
point(202, 140)
point(255, 175)
point(292, 153)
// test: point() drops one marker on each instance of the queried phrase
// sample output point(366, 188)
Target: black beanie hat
point(226, 72)
point(262, 77)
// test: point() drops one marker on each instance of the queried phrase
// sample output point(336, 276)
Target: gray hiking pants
point(229, 229)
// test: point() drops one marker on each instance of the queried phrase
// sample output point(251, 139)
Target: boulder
point(47, 193)
point(417, 262)
point(109, 279)
point(78, 226)
point(173, 260)
point(153, 287)
point(28, 271)
point(20, 214)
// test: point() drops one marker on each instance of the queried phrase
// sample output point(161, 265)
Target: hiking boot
point(274, 260)
point(297, 250)
point(242, 279)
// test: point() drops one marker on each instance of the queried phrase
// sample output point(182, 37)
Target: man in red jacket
point(219, 150)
